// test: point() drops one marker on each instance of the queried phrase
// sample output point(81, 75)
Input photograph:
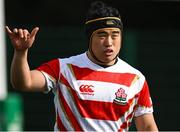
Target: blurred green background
point(151, 43)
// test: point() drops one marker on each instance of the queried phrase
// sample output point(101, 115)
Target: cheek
point(96, 45)
point(118, 44)
point(96, 48)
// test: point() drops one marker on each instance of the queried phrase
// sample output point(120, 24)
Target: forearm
point(146, 122)
point(20, 71)
point(150, 127)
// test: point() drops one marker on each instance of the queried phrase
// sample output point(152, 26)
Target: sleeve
point(144, 104)
point(50, 70)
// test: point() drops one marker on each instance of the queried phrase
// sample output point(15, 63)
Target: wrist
point(20, 52)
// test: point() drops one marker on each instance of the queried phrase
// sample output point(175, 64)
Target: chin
point(108, 61)
point(109, 58)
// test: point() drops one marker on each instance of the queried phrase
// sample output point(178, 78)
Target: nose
point(109, 41)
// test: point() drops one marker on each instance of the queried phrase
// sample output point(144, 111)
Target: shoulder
point(126, 67)
point(139, 77)
point(76, 59)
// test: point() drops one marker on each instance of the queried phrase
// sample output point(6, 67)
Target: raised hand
point(21, 39)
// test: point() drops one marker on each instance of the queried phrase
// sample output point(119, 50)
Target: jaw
point(108, 61)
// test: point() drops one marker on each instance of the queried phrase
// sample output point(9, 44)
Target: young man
point(94, 91)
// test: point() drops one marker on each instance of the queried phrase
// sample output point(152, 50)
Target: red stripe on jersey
point(98, 109)
point(59, 123)
point(64, 81)
point(101, 110)
point(144, 98)
point(130, 116)
point(89, 74)
point(125, 125)
point(69, 113)
point(51, 68)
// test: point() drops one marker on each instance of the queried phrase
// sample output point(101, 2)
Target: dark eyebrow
point(101, 32)
point(115, 32)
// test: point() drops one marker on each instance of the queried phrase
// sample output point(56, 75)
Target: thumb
point(34, 32)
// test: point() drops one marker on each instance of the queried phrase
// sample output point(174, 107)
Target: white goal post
point(3, 72)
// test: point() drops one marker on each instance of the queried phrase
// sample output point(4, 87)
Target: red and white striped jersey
point(89, 97)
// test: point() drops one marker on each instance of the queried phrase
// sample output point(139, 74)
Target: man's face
point(106, 44)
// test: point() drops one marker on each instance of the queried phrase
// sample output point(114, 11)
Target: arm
point(146, 123)
point(22, 77)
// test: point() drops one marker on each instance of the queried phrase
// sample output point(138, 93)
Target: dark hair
point(99, 15)
point(99, 9)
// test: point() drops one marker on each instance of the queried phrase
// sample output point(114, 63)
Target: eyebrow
point(104, 32)
point(116, 32)
point(101, 32)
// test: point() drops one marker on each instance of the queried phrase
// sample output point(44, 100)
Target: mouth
point(108, 52)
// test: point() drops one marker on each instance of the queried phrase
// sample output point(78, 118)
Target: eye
point(115, 35)
point(102, 35)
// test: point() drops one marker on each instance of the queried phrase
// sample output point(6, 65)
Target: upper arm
point(47, 74)
point(146, 122)
point(144, 118)
point(38, 82)
point(41, 81)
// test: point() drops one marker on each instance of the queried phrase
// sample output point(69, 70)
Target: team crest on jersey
point(121, 97)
